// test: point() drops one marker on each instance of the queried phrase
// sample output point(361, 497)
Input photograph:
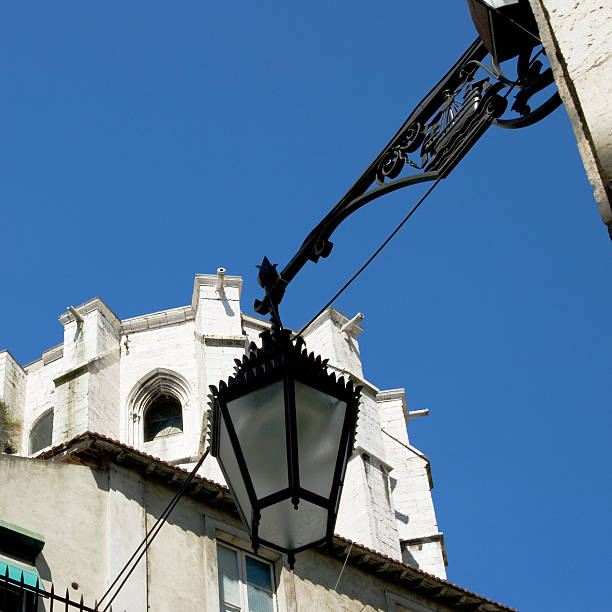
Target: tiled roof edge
point(449, 594)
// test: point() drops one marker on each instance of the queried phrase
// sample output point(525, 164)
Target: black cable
point(150, 536)
point(372, 257)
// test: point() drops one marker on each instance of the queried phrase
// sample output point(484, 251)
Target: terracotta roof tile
point(72, 447)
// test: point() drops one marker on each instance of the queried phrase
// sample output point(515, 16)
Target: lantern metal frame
point(283, 359)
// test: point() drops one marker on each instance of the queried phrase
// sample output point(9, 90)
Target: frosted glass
point(259, 600)
point(229, 585)
point(258, 573)
point(228, 561)
point(259, 420)
point(232, 474)
point(291, 528)
point(320, 418)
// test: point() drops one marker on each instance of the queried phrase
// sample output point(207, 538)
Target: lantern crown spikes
point(282, 429)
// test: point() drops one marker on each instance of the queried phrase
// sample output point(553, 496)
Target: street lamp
point(282, 430)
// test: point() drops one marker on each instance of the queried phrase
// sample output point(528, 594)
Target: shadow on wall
point(226, 305)
point(316, 582)
point(42, 567)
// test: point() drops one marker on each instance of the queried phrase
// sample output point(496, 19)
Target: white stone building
point(117, 394)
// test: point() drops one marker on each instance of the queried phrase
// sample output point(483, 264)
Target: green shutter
point(30, 576)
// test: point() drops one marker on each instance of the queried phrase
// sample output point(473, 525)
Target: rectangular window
point(246, 582)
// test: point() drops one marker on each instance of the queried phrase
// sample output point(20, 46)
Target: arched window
point(163, 417)
point(155, 406)
point(41, 434)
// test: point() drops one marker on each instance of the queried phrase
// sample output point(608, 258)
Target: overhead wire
point(373, 256)
point(416, 206)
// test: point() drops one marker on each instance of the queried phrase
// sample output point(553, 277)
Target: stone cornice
point(53, 354)
point(90, 306)
point(255, 322)
point(390, 395)
point(331, 314)
point(14, 360)
point(153, 320)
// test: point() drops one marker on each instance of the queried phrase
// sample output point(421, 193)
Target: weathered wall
point(92, 520)
point(323, 336)
point(93, 381)
point(40, 395)
point(411, 484)
point(577, 36)
point(13, 390)
point(171, 347)
point(67, 504)
point(316, 575)
point(176, 559)
point(125, 529)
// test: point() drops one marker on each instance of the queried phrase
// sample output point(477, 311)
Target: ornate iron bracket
point(434, 138)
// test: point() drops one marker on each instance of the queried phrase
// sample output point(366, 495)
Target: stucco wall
point(93, 519)
point(68, 505)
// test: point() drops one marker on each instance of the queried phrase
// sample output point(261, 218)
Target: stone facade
point(577, 36)
point(102, 377)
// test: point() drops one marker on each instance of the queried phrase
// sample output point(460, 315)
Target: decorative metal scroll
point(472, 96)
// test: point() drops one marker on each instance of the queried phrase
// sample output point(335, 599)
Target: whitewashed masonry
point(106, 373)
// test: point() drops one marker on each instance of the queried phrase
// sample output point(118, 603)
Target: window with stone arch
point(41, 434)
point(163, 417)
point(157, 403)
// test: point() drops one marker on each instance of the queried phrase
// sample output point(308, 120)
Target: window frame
point(242, 575)
point(218, 532)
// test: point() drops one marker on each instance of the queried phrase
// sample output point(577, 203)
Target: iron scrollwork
point(440, 131)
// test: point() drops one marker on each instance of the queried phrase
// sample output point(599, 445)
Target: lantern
point(282, 430)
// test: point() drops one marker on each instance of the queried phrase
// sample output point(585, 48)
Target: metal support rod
point(443, 127)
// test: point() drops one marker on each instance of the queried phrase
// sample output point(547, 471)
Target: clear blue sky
point(143, 142)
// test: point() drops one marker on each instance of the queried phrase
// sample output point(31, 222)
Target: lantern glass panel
point(320, 418)
point(289, 528)
point(259, 420)
point(232, 474)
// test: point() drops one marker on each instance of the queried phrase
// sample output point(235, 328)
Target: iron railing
point(17, 596)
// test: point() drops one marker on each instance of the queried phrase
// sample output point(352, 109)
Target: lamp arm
point(434, 138)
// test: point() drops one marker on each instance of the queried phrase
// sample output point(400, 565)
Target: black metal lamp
point(282, 430)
